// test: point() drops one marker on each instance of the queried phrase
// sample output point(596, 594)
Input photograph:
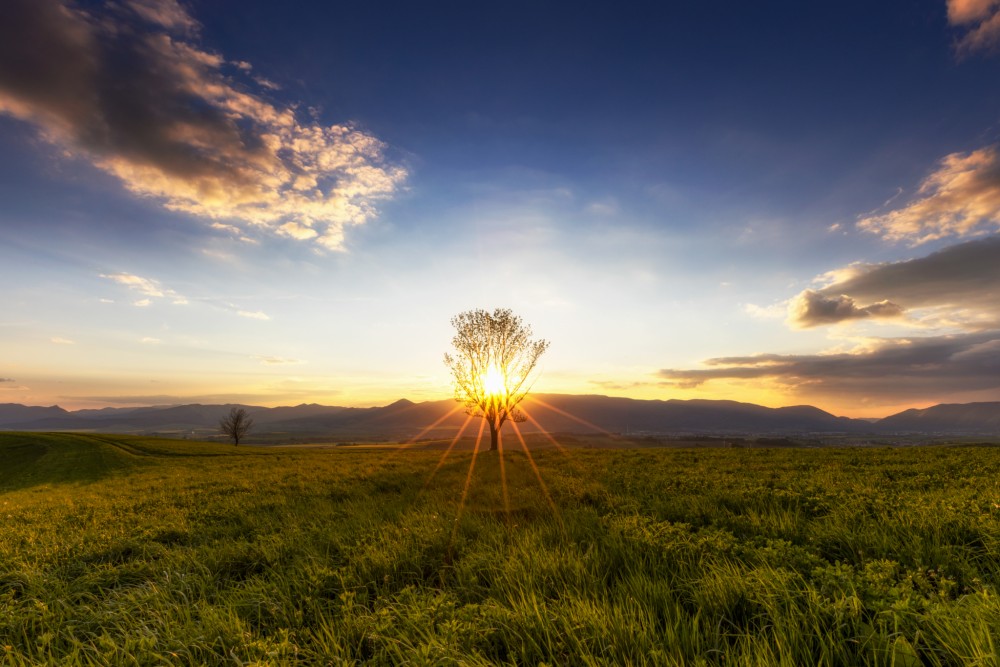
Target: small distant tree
point(236, 425)
point(493, 358)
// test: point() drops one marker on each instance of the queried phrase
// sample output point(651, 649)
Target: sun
point(493, 382)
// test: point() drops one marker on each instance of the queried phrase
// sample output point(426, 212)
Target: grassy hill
point(123, 550)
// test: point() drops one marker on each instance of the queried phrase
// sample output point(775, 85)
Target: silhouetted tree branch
point(492, 361)
point(236, 424)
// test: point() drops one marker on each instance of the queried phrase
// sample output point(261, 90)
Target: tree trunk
point(494, 436)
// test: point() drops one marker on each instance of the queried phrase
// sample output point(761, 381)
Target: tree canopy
point(236, 424)
point(491, 365)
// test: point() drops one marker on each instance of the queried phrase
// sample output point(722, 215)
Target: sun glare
point(493, 382)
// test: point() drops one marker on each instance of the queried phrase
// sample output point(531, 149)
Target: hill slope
point(979, 418)
point(31, 459)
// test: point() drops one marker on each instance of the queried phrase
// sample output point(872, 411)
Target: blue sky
point(279, 203)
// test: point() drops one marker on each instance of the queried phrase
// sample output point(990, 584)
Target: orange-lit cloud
point(980, 18)
point(961, 198)
point(128, 88)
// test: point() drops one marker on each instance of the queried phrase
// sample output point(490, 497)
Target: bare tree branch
point(493, 359)
point(236, 424)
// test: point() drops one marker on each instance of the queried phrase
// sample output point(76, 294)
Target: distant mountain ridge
point(564, 413)
point(947, 418)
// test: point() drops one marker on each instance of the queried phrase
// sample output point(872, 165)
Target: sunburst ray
point(444, 456)
point(465, 494)
point(538, 476)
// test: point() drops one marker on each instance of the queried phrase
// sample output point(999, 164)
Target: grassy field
point(124, 550)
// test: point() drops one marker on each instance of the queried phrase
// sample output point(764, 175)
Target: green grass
point(136, 551)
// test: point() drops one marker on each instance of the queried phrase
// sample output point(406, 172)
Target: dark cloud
point(812, 308)
point(6, 380)
point(958, 286)
point(930, 368)
point(128, 87)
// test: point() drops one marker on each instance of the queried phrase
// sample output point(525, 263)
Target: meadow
point(120, 550)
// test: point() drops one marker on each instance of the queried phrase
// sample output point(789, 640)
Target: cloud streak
point(277, 361)
point(897, 369)
point(961, 198)
point(153, 289)
point(149, 288)
point(128, 87)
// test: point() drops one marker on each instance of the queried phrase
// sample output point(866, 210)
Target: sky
point(281, 203)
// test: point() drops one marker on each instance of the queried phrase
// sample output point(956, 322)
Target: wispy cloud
point(149, 340)
point(6, 380)
point(153, 289)
point(165, 13)
point(137, 283)
point(981, 21)
point(961, 198)
point(59, 340)
point(894, 369)
point(149, 288)
point(604, 207)
point(773, 311)
point(128, 87)
point(277, 361)
point(956, 287)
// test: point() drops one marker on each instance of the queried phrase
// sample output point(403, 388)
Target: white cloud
point(253, 315)
point(151, 289)
point(137, 283)
point(298, 231)
point(59, 340)
point(149, 340)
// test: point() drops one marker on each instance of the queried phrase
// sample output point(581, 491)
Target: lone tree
point(236, 424)
point(493, 358)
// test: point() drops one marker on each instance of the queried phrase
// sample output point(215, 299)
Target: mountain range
point(557, 413)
